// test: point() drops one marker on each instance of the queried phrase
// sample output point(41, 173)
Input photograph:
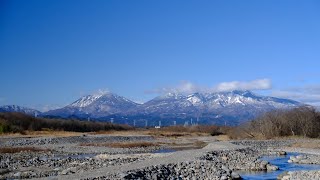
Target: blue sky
point(53, 52)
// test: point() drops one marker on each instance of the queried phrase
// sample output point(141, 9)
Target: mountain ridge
point(21, 109)
point(207, 107)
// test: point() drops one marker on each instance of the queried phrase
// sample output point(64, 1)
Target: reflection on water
point(282, 163)
point(164, 151)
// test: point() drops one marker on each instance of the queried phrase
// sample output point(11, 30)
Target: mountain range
point(229, 108)
point(15, 108)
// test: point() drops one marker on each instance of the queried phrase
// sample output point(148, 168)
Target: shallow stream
point(282, 163)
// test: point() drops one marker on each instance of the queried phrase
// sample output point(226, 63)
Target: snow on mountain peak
point(239, 105)
point(86, 100)
point(89, 99)
point(16, 108)
point(170, 95)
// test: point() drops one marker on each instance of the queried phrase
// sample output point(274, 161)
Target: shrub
point(303, 121)
point(17, 122)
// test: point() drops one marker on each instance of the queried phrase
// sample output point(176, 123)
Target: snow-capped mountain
point(234, 107)
point(96, 105)
point(213, 101)
point(15, 108)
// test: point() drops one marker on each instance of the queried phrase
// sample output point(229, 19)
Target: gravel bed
point(64, 155)
point(298, 175)
point(264, 144)
point(67, 160)
point(11, 142)
point(32, 165)
point(305, 159)
point(213, 165)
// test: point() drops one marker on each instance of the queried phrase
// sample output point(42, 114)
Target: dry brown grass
point(52, 133)
point(42, 133)
point(311, 145)
point(180, 131)
point(160, 133)
point(169, 132)
point(199, 144)
point(191, 129)
point(122, 145)
point(223, 138)
point(21, 149)
point(151, 132)
point(184, 146)
point(120, 133)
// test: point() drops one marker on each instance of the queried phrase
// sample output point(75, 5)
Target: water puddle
point(282, 163)
point(164, 151)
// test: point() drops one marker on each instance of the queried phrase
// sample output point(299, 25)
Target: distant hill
point(205, 108)
point(15, 108)
point(95, 106)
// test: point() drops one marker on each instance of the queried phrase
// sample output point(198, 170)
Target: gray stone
point(224, 177)
point(272, 167)
point(235, 175)
point(4, 171)
point(282, 153)
point(73, 169)
point(65, 172)
point(299, 157)
point(225, 168)
point(18, 174)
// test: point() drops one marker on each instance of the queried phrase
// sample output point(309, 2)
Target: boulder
point(235, 175)
point(272, 167)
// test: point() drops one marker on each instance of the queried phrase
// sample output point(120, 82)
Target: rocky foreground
point(298, 175)
point(83, 157)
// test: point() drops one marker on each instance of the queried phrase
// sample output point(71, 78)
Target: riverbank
point(104, 156)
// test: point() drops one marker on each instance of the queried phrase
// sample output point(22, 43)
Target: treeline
point(302, 121)
point(18, 122)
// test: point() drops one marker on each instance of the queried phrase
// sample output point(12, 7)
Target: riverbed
point(282, 163)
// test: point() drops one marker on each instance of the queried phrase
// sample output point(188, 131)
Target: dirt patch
point(311, 145)
point(122, 145)
point(12, 150)
point(185, 146)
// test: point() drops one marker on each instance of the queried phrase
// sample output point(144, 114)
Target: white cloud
point(309, 94)
point(102, 91)
point(259, 84)
point(182, 87)
point(188, 87)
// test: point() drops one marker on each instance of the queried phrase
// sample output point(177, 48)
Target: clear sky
point(52, 52)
